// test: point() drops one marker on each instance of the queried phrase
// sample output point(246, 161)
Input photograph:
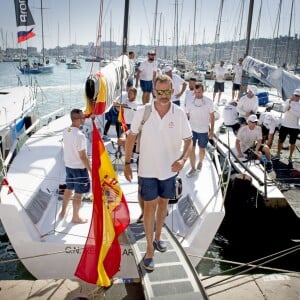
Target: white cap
point(252, 89)
point(167, 69)
point(296, 92)
point(252, 118)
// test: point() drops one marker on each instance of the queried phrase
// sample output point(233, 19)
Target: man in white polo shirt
point(160, 159)
point(179, 85)
point(201, 115)
point(146, 74)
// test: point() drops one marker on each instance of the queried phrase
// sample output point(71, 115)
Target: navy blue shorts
point(78, 180)
point(219, 87)
point(146, 86)
point(236, 87)
point(151, 188)
point(202, 139)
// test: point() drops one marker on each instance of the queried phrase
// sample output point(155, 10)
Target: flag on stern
point(101, 256)
point(24, 19)
point(121, 119)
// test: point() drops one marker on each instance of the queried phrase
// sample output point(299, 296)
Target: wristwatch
point(127, 162)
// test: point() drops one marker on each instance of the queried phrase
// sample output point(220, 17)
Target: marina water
point(255, 237)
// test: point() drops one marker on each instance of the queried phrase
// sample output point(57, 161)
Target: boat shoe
point(160, 246)
point(148, 263)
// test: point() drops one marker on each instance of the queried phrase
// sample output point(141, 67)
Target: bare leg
point(292, 149)
point(141, 203)
point(66, 199)
point(149, 217)
point(201, 154)
point(279, 148)
point(220, 93)
point(161, 213)
point(146, 98)
point(76, 208)
point(214, 96)
point(193, 158)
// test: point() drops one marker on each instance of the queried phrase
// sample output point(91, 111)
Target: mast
point(125, 27)
point(43, 46)
point(194, 34)
point(249, 23)
point(217, 35)
point(289, 35)
point(154, 26)
point(278, 22)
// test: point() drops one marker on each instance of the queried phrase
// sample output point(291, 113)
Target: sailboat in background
point(75, 62)
point(25, 25)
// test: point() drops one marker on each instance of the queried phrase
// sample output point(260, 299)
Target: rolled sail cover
point(102, 88)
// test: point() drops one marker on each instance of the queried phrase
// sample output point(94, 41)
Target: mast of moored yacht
point(125, 27)
point(42, 22)
point(289, 36)
point(249, 23)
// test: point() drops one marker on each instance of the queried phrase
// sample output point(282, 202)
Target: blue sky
point(82, 25)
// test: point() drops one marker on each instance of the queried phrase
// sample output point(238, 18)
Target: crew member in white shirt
point(268, 124)
point(249, 140)
point(129, 105)
point(237, 79)
point(219, 76)
point(179, 85)
point(189, 93)
point(248, 104)
point(230, 116)
point(147, 74)
point(201, 116)
point(290, 124)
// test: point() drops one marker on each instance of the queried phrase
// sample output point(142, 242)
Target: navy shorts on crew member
point(151, 188)
point(292, 132)
point(78, 180)
point(219, 87)
point(202, 139)
point(236, 87)
point(146, 86)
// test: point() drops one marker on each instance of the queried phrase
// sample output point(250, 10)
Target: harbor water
point(244, 239)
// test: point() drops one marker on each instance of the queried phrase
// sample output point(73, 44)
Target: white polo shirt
point(147, 68)
point(177, 86)
point(74, 141)
point(246, 105)
point(199, 111)
point(230, 115)
point(189, 97)
point(220, 73)
point(248, 137)
point(130, 111)
point(267, 119)
point(238, 71)
point(161, 141)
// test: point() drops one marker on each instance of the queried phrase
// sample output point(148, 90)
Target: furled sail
point(24, 19)
point(273, 76)
point(102, 88)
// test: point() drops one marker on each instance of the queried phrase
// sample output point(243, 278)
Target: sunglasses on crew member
point(164, 92)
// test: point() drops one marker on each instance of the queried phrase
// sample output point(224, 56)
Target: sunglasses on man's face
point(164, 92)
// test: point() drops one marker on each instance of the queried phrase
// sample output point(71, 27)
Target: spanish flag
point(101, 256)
point(96, 105)
point(121, 119)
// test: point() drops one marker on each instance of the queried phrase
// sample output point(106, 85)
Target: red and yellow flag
point(98, 107)
point(121, 119)
point(101, 256)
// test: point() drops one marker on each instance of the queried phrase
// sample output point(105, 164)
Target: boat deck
point(174, 277)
